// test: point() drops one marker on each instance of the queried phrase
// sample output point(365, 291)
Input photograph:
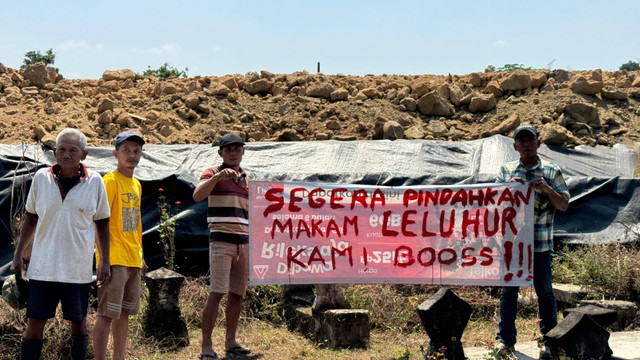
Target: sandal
point(208, 356)
point(238, 350)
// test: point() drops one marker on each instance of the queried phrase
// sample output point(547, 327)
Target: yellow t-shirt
point(125, 226)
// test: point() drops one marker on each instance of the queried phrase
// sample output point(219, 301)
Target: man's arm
point(26, 235)
point(104, 264)
point(204, 187)
point(558, 201)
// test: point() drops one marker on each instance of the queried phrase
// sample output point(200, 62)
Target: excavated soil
point(569, 108)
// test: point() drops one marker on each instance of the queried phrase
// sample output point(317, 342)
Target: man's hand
point(517, 179)
point(144, 268)
point(16, 265)
point(103, 273)
point(26, 236)
point(540, 185)
point(228, 174)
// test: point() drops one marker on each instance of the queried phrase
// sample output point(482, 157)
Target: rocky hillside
point(569, 108)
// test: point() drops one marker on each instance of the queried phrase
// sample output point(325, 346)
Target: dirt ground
point(569, 108)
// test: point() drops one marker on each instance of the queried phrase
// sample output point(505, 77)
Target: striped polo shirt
point(543, 209)
point(228, 211)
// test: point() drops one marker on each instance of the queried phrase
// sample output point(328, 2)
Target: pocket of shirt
point(85, 217)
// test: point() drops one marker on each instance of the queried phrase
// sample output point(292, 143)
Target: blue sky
point(348, 37)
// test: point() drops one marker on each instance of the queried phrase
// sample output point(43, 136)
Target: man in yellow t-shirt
point(119, 297)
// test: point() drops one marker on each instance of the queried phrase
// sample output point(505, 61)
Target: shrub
point(167, 229)
point(164, 71)
point(611, 269)
point(630, 66)
point(33, 57)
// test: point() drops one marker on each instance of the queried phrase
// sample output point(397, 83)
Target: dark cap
point(525, 129)
point(129, 135)
point(230, 139)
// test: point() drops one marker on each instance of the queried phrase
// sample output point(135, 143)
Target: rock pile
point(569, 108)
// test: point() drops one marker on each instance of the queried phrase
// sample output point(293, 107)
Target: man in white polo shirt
point(66, 208)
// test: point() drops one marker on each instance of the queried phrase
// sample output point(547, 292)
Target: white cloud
point(500, 43)
point(166, 49)
point(73, 45)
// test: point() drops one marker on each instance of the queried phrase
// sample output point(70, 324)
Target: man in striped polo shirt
point(226, 188)
point(551, 194)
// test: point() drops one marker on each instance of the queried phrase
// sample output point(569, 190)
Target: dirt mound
point(569, 108)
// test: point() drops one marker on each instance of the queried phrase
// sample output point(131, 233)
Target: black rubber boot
point(79, 345)
point(31, 349)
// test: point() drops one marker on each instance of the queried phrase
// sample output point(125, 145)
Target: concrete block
point(604, 317)
point(578, 337)
point(344, 328)
point(568, 295)
point(626, 310)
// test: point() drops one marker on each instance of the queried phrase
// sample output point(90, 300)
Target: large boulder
point(38, 75)
point(584, 113)
point(339, 94)
point(415, 132)
point(482, 103)
point(409, 103)
point(105, 104)
point(553, 134)
point(218, 89)
point(320, 89)
point(507, 125)
point(475, 79)
point(371, 92)
point(433, 104)
point(493, 87)
point(518, 80)
point(455, 94)
point(119, 75)
point(260, 86)
point(583, 85)
point(392, 131)
point(560, 75)
point(420, 88)
point(538, 79)
point(192, 101)
point(437, 128)
point(288, 135)
point(612, 93)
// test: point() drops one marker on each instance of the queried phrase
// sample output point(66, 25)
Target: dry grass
point(611, 270)
point(396, 329)
point(396, 334)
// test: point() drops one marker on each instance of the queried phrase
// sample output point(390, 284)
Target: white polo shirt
point(63, 244)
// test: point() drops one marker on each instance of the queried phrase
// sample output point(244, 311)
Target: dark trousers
point(546, 301)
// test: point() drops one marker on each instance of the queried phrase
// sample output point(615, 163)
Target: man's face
point(527, 146)
point(128, 154)
point(68, 152)
point(232, 154)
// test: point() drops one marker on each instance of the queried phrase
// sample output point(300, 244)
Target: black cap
point(129, 135)
point(524, 129)
point(230, 139)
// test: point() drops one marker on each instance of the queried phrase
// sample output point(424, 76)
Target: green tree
point(165, 71)
point(514, 67)
point(33, 57)
point(630, 66)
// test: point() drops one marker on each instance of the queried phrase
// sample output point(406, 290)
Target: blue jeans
point(546, 301)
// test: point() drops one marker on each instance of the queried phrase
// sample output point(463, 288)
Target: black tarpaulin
point(603, 208)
